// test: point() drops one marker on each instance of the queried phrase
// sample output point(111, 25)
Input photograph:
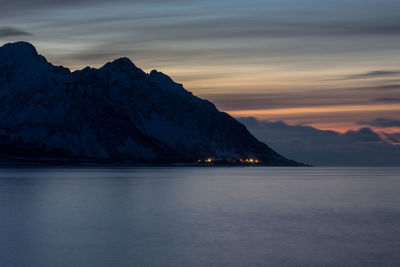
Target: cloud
point(91, 55)
point(221, 27)
point(382, 122)
point(373, 74)
point(39, 4)
point(245, 27)
point(215, 32)
point(388, 99)
point(362, 147)
point(383, 87)
point(20, 7)
point(273, 100)
point(12, 31)
point(270, 98)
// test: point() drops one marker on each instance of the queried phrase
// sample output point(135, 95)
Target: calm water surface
point(200, 217)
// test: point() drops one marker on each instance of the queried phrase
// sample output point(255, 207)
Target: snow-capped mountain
point(116, 113)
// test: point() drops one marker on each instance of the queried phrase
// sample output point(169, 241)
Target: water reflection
point(200, 216)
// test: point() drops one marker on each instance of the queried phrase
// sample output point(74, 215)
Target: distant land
point(362, 147)
point(116, 114)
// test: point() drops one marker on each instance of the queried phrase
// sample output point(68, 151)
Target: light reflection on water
point(200, 217)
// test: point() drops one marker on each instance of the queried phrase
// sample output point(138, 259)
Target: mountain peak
point(124, 61)
point(19, 48)
point(122, 64)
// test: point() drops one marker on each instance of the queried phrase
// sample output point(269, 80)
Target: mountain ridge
point(116, 113)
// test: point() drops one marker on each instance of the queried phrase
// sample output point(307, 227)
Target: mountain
point(362, 147)
point(114, 114)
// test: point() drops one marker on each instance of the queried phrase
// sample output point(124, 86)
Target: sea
point(200, 216)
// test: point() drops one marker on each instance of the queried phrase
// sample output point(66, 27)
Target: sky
point(327, 64)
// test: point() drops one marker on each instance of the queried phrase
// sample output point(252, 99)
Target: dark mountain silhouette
point(114, 114)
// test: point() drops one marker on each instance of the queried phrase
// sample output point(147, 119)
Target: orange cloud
point(320, 109)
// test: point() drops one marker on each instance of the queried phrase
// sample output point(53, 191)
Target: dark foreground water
point(200, 217)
